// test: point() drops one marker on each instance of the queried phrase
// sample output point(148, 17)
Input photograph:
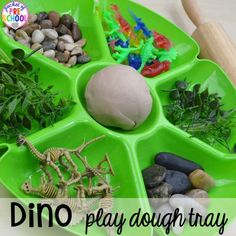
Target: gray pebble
point(67, 38)
point(67, 20)
point(152, 176)
point(81, 43)
point(76, 51)
point(72, 61)
point(178, 180)
point(62, 30)
point(37, 45)
point(37, 36)
point(49, 53)
point(50, 33)
point(32, 18)
point(54, 17)
point(49, 44)
point(162, 191)
point(46, 24)
point(21, 34)
point(83, 59)
point(61, 46)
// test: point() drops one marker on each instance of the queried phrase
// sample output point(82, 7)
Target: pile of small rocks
point(174, 182)
point(59, 36)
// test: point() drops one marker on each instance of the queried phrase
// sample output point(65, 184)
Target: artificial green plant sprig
point(22, 101)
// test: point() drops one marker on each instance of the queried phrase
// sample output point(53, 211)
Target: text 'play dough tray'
point(130, 152)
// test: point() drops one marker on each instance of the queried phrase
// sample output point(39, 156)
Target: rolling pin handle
point(193, 11)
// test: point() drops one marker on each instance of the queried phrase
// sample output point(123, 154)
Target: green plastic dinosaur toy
point(148, 52)
point(122, 54)
point(169, 55)
point(113, 26)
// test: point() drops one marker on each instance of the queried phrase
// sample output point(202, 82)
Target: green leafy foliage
point(200, 113)
point(22, 101)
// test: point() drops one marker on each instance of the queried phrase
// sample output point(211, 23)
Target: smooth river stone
point(76, 32)
point(200, 196)
point(50, 33)
point(178, 180)
point(187, 203)
point(164, 210)
point(36, 46)
point(82, 59)
point(67, 20)
point(153, 176)
point(49, 54)
point(29, 29)
point(70, 46)
point(162, 191)
point(174, 162)
point(22, 35)
point(76, 51)
point(72, 61)
point(61, 46)
point(201, 180)
point(66, 38)
point(62, 56)
point(49, 44)
point(62, 30)
point(37, 36)
point(46, 24)
point(54, 17)
point(159, 195)
point(177, 229)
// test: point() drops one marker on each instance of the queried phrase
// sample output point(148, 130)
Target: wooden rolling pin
point(214, 42)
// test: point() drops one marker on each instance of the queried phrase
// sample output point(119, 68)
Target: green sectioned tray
point(130, 152)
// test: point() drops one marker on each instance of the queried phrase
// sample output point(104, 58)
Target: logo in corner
point(15, 14)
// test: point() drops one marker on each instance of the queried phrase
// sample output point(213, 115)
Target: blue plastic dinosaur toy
point(140, 25)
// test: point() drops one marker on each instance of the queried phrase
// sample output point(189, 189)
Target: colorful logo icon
point(15, 14)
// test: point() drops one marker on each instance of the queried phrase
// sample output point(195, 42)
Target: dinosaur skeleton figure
point(98, 171)
point(51, 155)
point(45, 189)
point(89, 198)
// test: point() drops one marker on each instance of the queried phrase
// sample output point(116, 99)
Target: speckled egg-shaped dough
point(118, 96)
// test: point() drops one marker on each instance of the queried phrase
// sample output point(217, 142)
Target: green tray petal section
point(167, 139)
point(185, 46)
point(210, 76)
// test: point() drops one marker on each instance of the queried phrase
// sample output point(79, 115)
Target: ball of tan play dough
point(118, 96)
